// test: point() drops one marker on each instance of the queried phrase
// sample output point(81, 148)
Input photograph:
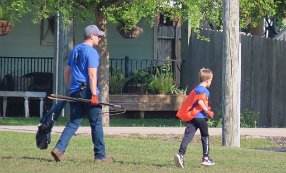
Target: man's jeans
point(77, 112)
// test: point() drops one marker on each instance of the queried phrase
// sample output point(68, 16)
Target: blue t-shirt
point(81, 58)
point(202, 90)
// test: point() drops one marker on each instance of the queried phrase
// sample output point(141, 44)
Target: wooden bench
point(26, 95)
point(143, 103)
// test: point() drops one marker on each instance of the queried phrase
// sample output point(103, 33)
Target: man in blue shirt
point(81, 80)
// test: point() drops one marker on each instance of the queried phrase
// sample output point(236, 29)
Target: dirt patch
point(277, 140)
point(273, 149)
point(280, 141)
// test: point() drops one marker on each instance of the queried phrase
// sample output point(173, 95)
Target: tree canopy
point(251, 12)
point(127, 13)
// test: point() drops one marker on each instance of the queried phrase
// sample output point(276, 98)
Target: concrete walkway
point(125, 131)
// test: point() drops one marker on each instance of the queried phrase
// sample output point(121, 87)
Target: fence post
point(126, 66)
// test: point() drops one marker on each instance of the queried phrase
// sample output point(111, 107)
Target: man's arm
point(92, 74)
point(67, 76)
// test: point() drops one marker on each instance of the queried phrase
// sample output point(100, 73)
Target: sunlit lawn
point(18, 153)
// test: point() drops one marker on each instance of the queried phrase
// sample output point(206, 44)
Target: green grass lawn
point(114, 122)
point(18, 153)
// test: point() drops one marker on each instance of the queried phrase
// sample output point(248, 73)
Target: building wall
point(119, 47)
point(141, 47)
point(24, 41)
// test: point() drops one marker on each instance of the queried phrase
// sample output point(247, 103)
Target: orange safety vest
point(187, 112)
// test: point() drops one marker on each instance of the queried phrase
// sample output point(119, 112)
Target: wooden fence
point(168, 45)
point(263, 75)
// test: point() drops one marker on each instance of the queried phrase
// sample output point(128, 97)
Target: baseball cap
point(93, 29)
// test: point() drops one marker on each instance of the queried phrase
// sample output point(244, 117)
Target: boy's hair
point(205, 74)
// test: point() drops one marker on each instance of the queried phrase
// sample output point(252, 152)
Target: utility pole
point(231, 74)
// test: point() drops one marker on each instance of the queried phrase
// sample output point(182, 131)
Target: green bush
point(144, 78)
point(161, 82)
point(117, 81)
point(248, 119)
point(151, 80)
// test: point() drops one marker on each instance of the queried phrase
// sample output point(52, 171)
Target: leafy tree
point(251, 12)
point(127, 13)
point(13, 10)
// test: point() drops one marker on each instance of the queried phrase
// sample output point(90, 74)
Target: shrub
point(117, 81)
point(248, 119)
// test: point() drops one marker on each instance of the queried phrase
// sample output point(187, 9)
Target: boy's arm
point(205, 108)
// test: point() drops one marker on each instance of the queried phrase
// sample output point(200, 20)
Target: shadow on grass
point(272, 149)
point(26, 158)
point(40, 159)
point(141, 163)
point(6, 157)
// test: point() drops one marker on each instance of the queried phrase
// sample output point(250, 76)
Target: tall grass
point(18, 153)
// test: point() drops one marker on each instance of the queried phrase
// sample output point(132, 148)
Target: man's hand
point(94, 100)
point(210, 113)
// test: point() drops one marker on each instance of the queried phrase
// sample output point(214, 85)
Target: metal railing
point(36, 73)
point(23, 73)
point(128, 73)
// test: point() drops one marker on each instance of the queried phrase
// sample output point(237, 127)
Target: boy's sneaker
point(179, 160)
point(207, 161)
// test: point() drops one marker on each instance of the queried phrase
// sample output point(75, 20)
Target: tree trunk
point(231, 75)
point(103, 77)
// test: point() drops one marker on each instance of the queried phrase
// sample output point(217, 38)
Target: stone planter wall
point(143, 103)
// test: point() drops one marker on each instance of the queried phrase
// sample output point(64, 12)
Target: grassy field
point(18, 153)
point(114, 122)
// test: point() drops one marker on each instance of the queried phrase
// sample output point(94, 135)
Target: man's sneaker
point(207, 161)
point(105, 160)
point(179, 160)
point(58, 156)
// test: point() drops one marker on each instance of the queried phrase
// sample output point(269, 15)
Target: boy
point(195, 111)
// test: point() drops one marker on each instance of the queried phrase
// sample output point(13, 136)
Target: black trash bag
point(43, 135)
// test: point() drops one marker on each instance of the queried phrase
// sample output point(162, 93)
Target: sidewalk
point(125, 131)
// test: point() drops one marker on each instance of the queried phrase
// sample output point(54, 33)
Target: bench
point(26, 95)
point(143, 103)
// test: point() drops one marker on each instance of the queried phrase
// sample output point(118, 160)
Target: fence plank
point(262, 74)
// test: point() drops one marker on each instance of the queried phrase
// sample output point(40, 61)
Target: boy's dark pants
point(191, 128)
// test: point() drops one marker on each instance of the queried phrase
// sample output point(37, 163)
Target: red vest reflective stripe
point(187, 112)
